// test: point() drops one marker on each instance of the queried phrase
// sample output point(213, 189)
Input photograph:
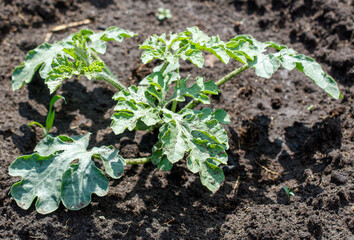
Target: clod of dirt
point(245, 92)
point(278, 89)
point(314, 227)
point(339, 178)
point(260, 106)
point(275, 103)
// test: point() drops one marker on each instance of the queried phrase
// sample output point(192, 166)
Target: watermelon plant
point(61, 168)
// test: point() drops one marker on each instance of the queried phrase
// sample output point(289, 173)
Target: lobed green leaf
point(187, 45)
point(199, 134)
point(61, 169)
point(134, 105)
point(248, 50)
point(39, 58)
point(63, 59)
point(198, 91)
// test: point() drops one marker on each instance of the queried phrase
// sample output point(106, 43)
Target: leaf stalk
point(136, 161)
point(231, 75)
point(107, 75)
point(220, 82)
point(110, 79)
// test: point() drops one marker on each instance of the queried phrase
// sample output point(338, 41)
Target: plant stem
point(231, 75)
point(107, 75)
point(135, 161)
point(164, 67)
point(174, 103)
point(108, 78)
point(174, 106)
point(220, 82)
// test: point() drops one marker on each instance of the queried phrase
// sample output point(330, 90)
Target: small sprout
point(309, 108)
point(50, 117)
point(288, 192)
point(163, 14)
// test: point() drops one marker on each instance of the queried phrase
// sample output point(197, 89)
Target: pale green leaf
point(265, 65)
point(98, 40)
point(197, 91)
point(199, 135)
point(199, 40)
point(51, 176)
point(186, 45)
point(134, 104)
point(211, 176)
point(64, 59)
point(290, 59)
point(38, 58)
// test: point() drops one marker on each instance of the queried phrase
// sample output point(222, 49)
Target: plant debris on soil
point(284, 131)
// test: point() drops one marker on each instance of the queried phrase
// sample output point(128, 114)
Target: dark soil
point(275, 139)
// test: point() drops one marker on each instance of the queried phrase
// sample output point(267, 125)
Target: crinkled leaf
point(158, 47)
point(245, 45)
point(171, 70)
point(245, 48)
point(211, 175)
point(63, 59)
point(98, 40)
point(38, 58)
point(50, 175)
point(198, 134)
point(186, 45)
point(134, 104)
point(314, 71)
point(199, 40)
point(265, 65)
point(195, 56)
point(198, 91)
point(159, 85)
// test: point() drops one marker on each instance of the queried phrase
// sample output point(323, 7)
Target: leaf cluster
point(76, 55)
point(198, 134)
point(188, 45)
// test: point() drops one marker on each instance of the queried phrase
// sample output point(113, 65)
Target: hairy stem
point(231, 75)
point(108, 78)
point(164, 67)
point(107, 75)
point(174, 103)
point(220, 82)
point(135, 161)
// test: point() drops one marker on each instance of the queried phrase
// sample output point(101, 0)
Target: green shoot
point(288, 192)
point(50, 116)
point(309, 108)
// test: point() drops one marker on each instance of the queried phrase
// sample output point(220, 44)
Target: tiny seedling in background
point(309, 108)
point(288, 192)
point(50, 117)
point(163, 14)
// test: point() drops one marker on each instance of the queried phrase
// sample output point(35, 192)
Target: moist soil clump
point(284, 131)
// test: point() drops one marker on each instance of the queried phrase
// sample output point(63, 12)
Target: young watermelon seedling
point(51, 175)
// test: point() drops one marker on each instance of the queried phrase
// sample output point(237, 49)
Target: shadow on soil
point(262, 155)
